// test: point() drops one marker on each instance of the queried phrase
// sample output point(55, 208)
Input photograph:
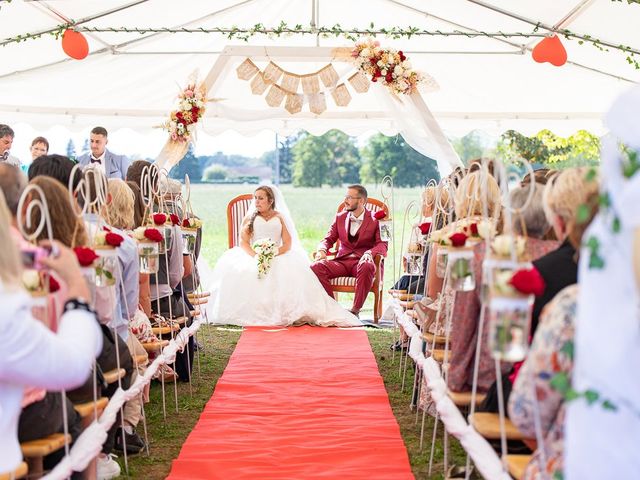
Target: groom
point(359, 236)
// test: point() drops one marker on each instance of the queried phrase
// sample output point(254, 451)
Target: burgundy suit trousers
point(364, 273)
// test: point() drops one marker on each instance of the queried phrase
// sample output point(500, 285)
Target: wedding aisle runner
point(297, 403)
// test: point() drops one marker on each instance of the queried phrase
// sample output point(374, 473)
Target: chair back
point(372, 204)
point(236, 211)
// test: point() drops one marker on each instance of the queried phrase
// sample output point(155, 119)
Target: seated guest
point(532, 224)
point(533, 393)
point(55, 166)
point(39, 147)
point(68, 229)
point(563, 196)
point(31, 354)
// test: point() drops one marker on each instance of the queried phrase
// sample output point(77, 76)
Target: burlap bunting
point(294, 103)
point(246, 70)
point(275, 96)
point(317, 103)
point(341, 95)
point(359, 82)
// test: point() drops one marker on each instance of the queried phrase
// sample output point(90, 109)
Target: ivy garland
point(352, 34)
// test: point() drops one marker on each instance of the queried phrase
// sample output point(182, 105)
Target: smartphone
point(32, 256)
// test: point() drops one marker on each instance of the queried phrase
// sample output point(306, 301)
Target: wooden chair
point(236, 211)
point(488, 425)
point(517, 465)
point(348, 284)
point(20, 472)
point(35, 451)
point(463, 399)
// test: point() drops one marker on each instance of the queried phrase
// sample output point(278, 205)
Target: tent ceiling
point(130, 79)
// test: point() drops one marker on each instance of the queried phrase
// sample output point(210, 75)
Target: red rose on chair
point(113, 239)
point(528, 282)
point(86, 256)
point(473, 228)
point(458, 239)
point(424, 228)
point(153, 234)
point(380, 214)
point(159, 219)
point(175, 220)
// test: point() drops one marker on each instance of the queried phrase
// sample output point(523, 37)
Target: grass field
point(167, 437)
point(313, 210)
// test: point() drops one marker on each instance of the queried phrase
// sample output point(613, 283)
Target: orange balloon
point(550, 49)
point(75, 44)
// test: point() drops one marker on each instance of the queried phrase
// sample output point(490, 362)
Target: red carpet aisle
point(300, 403)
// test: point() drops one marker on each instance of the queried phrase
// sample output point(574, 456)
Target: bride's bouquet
point(266, 250)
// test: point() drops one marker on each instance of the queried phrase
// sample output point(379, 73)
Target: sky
point(137, 145)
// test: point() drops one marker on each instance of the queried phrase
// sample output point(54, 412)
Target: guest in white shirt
point(31, 354)
point(112, 165)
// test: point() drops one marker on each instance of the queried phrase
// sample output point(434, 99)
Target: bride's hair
point(271, 198)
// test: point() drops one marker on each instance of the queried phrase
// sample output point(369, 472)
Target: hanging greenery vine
point(352, 34)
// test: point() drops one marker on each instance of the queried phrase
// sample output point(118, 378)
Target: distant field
point(313, 210)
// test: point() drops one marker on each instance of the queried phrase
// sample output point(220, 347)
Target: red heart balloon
point(550, 49)
point(75, 44)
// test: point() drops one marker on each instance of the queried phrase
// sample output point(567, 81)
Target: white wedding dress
point(290, 293)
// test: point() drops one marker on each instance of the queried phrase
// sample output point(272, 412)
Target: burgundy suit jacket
point(368, 237)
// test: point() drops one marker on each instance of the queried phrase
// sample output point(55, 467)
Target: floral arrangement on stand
point(387, 66)
point(266, 250)
point(191, 106)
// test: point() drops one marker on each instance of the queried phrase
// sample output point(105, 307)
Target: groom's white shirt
point(355, 222)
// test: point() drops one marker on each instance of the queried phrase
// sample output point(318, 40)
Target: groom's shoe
point(356, 313)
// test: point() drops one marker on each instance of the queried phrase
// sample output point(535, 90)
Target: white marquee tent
point(131, 79)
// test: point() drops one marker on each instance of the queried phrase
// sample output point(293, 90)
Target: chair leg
point(376, 306)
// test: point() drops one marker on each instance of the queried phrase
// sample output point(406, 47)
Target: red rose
point(86, 256)
point(185, 223)
point(54, 286)
point(473, 228)
point(402, 56)
point(113, 239)
point(194, 111)
point(528, 282)
point(174, 219)
point(374, 79)
point(373, 61)
point(159, 218)
point(380, 214)
point(458, 239)
point(389, 77)
point(425, 227)
point(153, 234)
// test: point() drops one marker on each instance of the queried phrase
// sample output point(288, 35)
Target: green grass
point(312, 209)
point(167, 437)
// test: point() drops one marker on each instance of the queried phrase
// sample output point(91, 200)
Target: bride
point(289, 294)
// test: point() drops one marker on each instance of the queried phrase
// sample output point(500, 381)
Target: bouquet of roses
point(266, 250)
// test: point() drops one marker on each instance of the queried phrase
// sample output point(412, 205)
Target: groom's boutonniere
point(380, 215)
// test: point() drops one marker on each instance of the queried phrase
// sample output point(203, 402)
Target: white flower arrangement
point(502, 245)
point(266, 250)
point(31, 280)
point(192, 222)
point(138, 233)
point(191, 106)
point(389, 66)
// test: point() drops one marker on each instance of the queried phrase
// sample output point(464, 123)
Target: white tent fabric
point(130, 79)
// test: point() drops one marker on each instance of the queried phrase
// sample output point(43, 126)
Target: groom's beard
point(351, 209)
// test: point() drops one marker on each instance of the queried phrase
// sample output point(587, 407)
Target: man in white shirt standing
point(6, 140)
point(113, 166)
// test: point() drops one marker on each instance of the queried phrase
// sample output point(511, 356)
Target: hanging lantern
point(189, 236)
point(441, 261)
point(509, 324)
point(75, 44)
point(106, 266)
point(148, 256)
point(462, 275)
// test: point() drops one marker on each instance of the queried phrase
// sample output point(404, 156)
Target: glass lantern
point(106, 266)
point(148, 256)
point(386, 230)
point(167, 239)
point(89, 275)
point(189, 236)
point(494, 273)
point(441, 261)
point(462, 275)
point(509, 324)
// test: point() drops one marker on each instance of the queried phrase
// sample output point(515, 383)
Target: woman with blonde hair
point(120, 206)
point(32, 355)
